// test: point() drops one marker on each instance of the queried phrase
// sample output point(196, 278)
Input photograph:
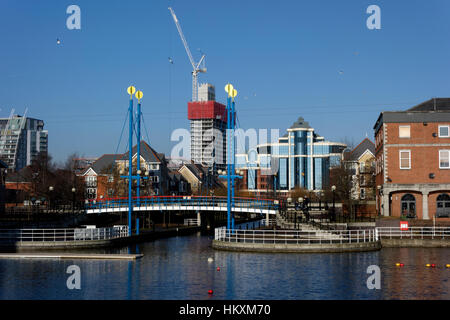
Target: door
point(443, 206)
point(408, 204)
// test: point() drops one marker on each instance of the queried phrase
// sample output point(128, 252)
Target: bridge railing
point(184, 201)
point(54, 235)
point(295, 237)
point(414, 233)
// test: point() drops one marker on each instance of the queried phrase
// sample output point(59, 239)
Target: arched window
point(443, 206)
point(408, 205)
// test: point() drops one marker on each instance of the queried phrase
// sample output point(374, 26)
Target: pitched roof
point(104, 162)
point(197, 169)
point(433, 110)
point(361, 148)
point(434, 104)
point(147, 152)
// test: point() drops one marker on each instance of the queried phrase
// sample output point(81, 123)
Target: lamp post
point(300, 202)
point(333, 188)
point(379, 200)
point(73, 200)
point(289, 200)
point(50, 202)
point(230, 176)
point(131, 90)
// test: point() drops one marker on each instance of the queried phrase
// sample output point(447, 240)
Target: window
point(404, 131)
point(444, 159)
point(362, 193)
point(405, 159)
point(444, 132)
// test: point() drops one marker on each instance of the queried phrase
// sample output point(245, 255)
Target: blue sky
point(315, 59)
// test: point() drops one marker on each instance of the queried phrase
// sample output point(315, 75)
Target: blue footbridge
point(263, 207)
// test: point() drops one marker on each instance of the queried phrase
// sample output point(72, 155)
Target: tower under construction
point(208, 129)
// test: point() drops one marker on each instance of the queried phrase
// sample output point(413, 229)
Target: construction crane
point(195, 66)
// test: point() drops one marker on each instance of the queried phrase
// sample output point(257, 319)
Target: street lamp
point(73, 200)
point(333, 188)
point(300, 206)
point(379, 199)
point(50, 202)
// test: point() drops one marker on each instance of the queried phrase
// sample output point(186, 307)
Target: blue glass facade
point(304, 159)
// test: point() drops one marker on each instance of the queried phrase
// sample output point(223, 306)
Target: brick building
point(412, 150)
point(101, 181)
point(361, 162)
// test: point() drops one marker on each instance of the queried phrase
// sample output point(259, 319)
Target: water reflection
point(178, 268)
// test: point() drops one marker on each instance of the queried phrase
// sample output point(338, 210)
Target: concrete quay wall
point(415, 243)
point(296, 248)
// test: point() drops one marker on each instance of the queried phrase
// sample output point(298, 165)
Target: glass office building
point(300, 159)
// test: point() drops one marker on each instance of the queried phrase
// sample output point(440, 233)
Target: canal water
point(178, 268)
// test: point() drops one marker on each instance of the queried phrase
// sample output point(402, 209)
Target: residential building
point(361, 163)
point(21, 140)
point(178, 185)
point(261, 182)
point(199, 178)
point(299, 159)
point(98, 176)
point(102, 178)
point(208, 120)
point(412, 150)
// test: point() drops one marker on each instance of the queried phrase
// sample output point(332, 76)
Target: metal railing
point(296, 237)
point(414, 233)
point(54, 235)
point(253, 203)
point(191, 222)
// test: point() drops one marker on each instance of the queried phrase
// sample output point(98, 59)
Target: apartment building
point(21, 140)
point(101, 177)
point(412, 151)
point(361, 163)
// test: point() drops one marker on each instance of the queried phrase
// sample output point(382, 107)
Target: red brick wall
point(102, 187)
point(396, 203)
point(424, 159)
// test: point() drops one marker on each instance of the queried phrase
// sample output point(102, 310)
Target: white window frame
point(448, 155)
point(409, 136)
point(400, 159)
point(448, 131)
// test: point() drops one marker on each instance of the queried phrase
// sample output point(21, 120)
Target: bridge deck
point(184, 203)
